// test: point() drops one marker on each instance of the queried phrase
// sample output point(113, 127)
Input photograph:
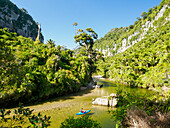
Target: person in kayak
point(82, 110)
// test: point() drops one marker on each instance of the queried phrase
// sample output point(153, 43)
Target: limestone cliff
point(18, 20)
point(120, 39)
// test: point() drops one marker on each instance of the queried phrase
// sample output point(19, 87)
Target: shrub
point(81, 122)
point(23, 117)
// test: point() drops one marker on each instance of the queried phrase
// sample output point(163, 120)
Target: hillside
point(18, 20)
point(141, 56)
point(120, 39)
point(135, 57)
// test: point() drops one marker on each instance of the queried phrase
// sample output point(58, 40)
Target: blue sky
point(57, 16)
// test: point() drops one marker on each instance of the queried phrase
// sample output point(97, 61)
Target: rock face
point(106, 100)
point(18, 20)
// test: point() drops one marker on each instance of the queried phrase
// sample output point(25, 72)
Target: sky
point(57, 16)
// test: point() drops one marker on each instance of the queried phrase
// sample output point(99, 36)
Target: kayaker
point(82, 110)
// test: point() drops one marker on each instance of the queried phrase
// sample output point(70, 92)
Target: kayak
point(80, 113)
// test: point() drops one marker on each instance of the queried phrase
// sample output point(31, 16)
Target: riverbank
point(62, 107)
point(59, 102)
point(150, 111)
point(163, 91)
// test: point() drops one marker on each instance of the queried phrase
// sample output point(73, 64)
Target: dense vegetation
point(23, 117)
point(146, 64)
point(81, 122)
point(114, 39)
point(32, 70)
point(136, 110)
point(86, 41)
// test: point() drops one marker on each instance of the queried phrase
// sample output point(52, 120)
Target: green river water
point(61, 108)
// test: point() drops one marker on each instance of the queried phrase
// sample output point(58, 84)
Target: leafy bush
point(151, 105)
point(81, 122)
point(23, 117)
point(33, 71)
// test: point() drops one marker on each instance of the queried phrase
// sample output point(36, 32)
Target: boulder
point(101, 101)
point(113, 95)
point(106, 100)
point(98, 86)
point(83, 88)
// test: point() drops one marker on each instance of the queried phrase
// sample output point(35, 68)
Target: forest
point(32, 71)
point(145, 64)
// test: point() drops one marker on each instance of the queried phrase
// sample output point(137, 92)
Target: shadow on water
point(60, 98)
point(105, 82)
point(108, 86)
point(89, 114)
point(53, 98)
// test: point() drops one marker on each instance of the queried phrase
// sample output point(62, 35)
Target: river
point(61, 108)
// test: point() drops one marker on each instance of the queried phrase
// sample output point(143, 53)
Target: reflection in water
point(102, 115)
point(100, 92)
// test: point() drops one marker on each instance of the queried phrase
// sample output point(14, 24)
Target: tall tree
point(86, 39)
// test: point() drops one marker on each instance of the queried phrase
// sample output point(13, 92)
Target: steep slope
point(147, 62)
point(139, 56)
point(18, 20)
point(120, 39)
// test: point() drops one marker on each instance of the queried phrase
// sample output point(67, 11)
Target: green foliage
point(39, 121)
point(23, 117)
point(131, 27)
point(86, 40)
point(114, 38)
point(144, 15)
point(33, 71)
point(150, 104)
point(24, 10)
point(81, 122)
point(145, 64)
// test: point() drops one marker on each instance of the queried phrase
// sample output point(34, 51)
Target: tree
point(138, 18)
point(75, 24)
point(50, 43)
point(144, 15)
point(86, 40)
point(155, 7)
point(131, 27)
point(8, 62)
point(150, 10)
point(24, 10)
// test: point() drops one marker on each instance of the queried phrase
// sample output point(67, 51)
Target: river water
point(61, 108)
